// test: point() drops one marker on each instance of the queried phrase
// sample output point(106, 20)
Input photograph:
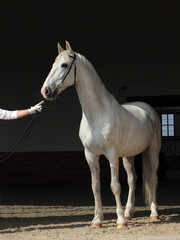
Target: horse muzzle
point(49, 93)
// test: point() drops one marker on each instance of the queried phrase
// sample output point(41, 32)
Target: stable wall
point(131, 43)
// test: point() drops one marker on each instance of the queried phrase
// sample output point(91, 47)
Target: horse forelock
point(64, 54)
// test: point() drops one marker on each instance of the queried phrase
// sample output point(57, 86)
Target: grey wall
point(132, 43)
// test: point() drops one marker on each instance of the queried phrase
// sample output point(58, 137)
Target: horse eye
point(64, 65)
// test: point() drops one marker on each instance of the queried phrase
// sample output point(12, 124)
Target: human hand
point(36, 108)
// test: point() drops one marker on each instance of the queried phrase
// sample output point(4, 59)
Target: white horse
point(110, 129)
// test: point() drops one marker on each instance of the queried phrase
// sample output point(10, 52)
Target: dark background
point(135, 43)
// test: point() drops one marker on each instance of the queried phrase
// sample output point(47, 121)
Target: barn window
point(167, 125)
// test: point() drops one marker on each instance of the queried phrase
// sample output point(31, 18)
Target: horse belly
point(136, 132)
point(134, 141)
point(132, 148)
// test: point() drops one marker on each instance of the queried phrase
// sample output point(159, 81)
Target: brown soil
point(41, 212)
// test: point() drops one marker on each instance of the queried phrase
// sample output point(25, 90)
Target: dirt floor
point(41, 212)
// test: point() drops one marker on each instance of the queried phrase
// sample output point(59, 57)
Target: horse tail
point(150, 166)
point(147, 188)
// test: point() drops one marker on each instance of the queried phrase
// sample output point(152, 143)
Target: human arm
point(10, 115)
point(22, 113)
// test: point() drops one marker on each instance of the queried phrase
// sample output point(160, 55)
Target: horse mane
point(88, 65)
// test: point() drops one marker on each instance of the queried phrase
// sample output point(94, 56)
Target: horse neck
point(91, 91)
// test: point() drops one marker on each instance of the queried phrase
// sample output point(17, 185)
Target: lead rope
point(25, 134)
point(22, 138)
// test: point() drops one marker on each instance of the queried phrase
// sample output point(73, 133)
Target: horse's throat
point(91, 99)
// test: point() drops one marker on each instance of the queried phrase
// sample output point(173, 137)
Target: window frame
point(168, 125)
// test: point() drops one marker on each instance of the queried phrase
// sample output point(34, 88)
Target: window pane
point(164, 119)
point(171, 130)
point(167, 122)
point(164, 131)
point(171, 119)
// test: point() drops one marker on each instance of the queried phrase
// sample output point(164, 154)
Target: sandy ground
point(51, 222)
point(44, 212)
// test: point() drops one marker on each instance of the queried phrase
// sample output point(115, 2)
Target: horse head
point(62, 74)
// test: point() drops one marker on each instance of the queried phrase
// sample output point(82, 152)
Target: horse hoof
point(121, 225)
point(96, 225)
point(127, 218)
point(154, 218)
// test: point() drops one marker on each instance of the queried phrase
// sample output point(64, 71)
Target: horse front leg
point(131, 178)
point(93, 162)
point(116, 189)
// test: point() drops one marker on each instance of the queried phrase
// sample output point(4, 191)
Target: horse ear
point(60, 49)
point(68, 47)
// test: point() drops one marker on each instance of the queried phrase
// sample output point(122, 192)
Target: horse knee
point(116, 188)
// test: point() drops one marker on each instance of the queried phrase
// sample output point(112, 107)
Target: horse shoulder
point(84, 126)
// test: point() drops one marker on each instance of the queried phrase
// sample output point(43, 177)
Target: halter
point(73, 62)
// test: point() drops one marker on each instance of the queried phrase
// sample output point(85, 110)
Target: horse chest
point(97, 139)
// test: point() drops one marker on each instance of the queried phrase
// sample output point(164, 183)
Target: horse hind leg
point(150, 179)
point(131, 178)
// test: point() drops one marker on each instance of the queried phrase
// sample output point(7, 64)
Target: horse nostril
point(51, 92)
point(55, 91)
point(47, 92)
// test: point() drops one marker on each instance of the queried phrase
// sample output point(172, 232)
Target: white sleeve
point(8, 115)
